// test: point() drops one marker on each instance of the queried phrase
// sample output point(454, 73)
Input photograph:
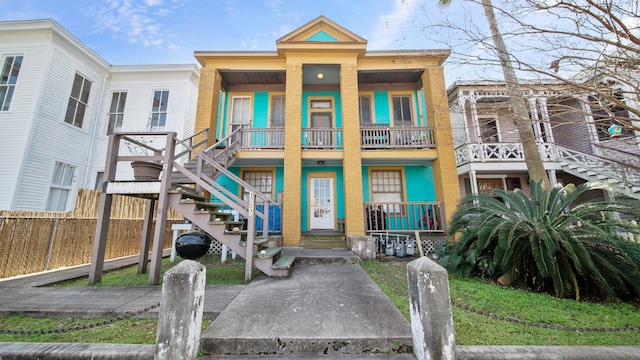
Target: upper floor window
point(277, 111)
point(60, 189)
point(365, 109)
point(159, 110)
point(78, 101)
point(240, 112)
point(402, 110)
point(489, 129)
point(10, 71)
point(116, 111)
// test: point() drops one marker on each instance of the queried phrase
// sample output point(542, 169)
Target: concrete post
point(430, 309)
point(180, 318)
point(363, 246)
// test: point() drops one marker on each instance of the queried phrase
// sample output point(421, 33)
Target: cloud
point(391, 26)
point(136, 20)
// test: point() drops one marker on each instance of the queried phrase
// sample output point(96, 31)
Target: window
point(8, 80)
point(116, 111)
point(60, 187)
point(78, 101)
point(402, 110)
point(365, 109)
point(486, 186)
point(260, 180)
point(159, 110)
point(488, 129)
point(321, 104)
point(99, 181)
point(240, 112)
point(386, 187)
point(277, 112)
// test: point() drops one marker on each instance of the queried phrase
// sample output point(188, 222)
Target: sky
point(136, 32)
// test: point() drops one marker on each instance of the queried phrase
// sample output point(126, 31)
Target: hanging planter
point(615, 131)
point(146, 170)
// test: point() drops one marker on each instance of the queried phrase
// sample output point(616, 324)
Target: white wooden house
point(55, 106)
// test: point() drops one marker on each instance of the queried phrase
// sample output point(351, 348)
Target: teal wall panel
point(381, 103)
point(419, 183)
point(260, 110)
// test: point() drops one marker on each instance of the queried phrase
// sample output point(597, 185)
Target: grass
point(229, 273)
point(127, 331)
point(474, 329)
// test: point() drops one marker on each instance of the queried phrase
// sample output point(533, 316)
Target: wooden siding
point(570, 130)
point(17, 122)
point(54, 140)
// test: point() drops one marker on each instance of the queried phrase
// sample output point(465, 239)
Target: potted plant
point(143, 170)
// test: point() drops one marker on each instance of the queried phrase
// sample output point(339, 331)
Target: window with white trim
point(261, 181)
point(365, 109)
point(402, 110)
point(386, 187)
point(277, 111)
point(8, 79)
point(116, 111)
point(78, 101)
point(159, 110)
point(61, 185)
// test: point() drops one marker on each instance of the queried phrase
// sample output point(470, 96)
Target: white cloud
point(134, 19)
point(391, 26)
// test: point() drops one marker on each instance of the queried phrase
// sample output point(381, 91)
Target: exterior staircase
point(589, 167)
point(184, 189)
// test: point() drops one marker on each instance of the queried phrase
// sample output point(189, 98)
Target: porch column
point(462, 102)
point(473, 179)
point(292, 201)
point(352, 163)
point(474, 119)
point(553, 180)
point(445, 174)
point(208, 102)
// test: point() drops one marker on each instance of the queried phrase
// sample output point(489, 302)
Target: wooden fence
point(38, 241)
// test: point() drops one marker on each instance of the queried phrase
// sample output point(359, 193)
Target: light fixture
point(320, 162)
point(320, 75)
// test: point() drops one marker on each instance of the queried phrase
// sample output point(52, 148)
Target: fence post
point(430, 309)
point(180, 318)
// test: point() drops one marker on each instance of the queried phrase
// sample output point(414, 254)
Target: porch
point(380, 136)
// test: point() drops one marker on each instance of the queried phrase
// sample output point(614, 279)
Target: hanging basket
point(146, 170)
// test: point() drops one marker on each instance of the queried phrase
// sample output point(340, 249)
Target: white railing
point(381, 137)
point(618, 155)
point(500, 152)
point(626, 175)
point(322, 138)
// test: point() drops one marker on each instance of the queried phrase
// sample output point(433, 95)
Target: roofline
point(156, 68)
point(50, 24)
point(317, 19)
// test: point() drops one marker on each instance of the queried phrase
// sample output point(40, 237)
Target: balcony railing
point(404, 217)
point(262, 139)
point(380, 137)
point(322, 138)
point(500, 152)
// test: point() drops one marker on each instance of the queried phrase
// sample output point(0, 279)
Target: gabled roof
point(321, 29)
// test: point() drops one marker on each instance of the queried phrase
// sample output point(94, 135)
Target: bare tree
point(592, 47)
point(523, 123)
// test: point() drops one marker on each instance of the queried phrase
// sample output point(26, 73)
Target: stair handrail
point(188, 143)
point(614, 169)
point(601, 149)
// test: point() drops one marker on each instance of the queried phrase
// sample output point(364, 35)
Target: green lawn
point(473, 329)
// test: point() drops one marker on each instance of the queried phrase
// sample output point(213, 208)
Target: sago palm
point(549, 242)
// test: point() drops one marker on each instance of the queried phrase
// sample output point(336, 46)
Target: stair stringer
point(202, 219)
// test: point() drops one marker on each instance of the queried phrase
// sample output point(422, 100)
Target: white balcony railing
point(500, 152)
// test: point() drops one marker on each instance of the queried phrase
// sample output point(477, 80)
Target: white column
point(474, 182)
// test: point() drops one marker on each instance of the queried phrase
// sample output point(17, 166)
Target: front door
point(321, 204)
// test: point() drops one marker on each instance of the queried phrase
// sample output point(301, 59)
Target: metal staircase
point(184, 189)
point(593, 167)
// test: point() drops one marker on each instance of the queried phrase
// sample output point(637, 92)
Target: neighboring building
point(571, 131)
point(59, 100)
point(348, 141)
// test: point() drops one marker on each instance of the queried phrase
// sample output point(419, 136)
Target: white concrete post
point(181, 307)
point(430, 309)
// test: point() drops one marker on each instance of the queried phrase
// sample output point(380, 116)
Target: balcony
point(371, 138)
point(500, 152)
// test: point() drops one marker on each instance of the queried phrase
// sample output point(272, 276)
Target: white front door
point(321, 204)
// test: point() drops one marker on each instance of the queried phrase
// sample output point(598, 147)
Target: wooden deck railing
point(404, 217)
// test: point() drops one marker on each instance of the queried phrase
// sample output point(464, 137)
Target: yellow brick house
point(345, 140)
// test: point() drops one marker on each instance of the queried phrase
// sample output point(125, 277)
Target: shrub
point(548, 242)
